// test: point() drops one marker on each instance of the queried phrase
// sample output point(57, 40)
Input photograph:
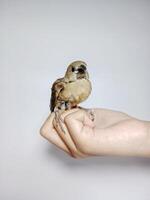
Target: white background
point(38, 39)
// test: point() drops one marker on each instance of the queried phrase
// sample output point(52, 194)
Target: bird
point(69, 91)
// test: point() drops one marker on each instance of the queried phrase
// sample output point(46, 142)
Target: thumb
point(76, 122)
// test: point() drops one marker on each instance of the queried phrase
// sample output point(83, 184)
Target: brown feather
point(57, 86)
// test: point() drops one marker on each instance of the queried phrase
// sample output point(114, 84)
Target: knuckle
point(82, 149)
point(67, 118)
point(81, 146)
point(42, 132)
point(76, 155)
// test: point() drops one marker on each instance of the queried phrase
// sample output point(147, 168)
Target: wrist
point(147, 125)
point(132, 139)
point(146, 143)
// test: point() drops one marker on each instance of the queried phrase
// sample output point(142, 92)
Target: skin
point(111, 133)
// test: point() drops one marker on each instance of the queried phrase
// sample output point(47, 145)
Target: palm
point(107, 118)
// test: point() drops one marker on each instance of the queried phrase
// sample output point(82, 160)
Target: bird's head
point(77, 70)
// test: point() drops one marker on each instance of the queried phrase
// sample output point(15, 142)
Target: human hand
point(111, 133)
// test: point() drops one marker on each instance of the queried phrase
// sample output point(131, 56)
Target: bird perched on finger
point(72, 89)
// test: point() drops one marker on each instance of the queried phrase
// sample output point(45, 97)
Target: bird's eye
point(73, 69)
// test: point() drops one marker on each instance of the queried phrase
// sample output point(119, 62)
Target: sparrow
point(74, 88)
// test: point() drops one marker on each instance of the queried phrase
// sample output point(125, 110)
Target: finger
point(76, 122)
point(67, 112)
point(66, 138)
point(80, 132)
point(48, 132)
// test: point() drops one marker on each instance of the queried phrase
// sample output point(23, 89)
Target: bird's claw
point(90, 112)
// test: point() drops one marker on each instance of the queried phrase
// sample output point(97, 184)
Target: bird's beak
point(81, 69)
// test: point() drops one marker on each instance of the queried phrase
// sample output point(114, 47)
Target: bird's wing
point(57, 86)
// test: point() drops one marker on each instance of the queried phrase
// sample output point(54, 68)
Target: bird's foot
point(90, 112)
point(59, 120)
